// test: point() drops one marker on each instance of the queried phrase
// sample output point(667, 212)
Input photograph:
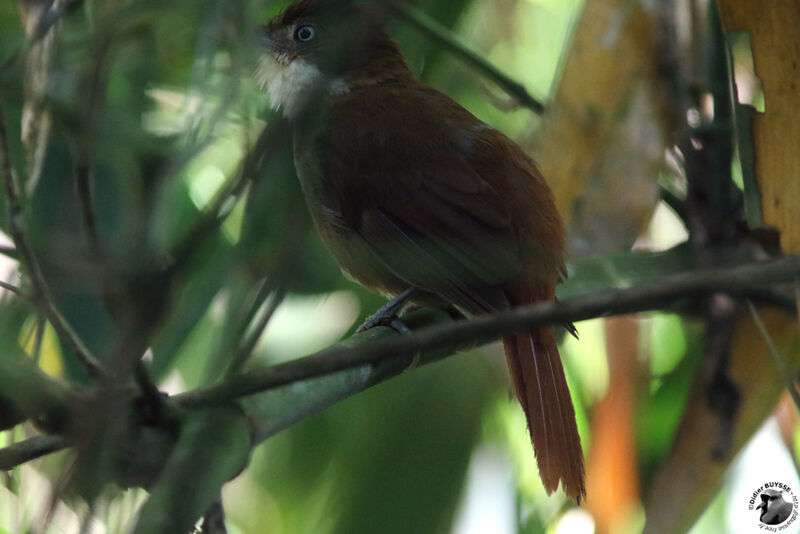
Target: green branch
point(26, 256)
point(225, 200)
point(443, 37)
point(10, 252)
point(213, 447)
point(782, 366)
point(357, 352)
point(30, 449)
point(26, 393)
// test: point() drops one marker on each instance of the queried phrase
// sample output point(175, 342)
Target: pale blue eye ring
point(305, 33)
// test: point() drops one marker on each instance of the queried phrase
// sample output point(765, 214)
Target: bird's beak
point(762, 505)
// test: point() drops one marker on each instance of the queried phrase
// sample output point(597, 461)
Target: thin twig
point(780, 362)
point(240, 316)
point(84, 194)
point(50, 18)
point(226, 199)
point(797, 297)
point(214, 520)
point(30, 449)
point(14, 289)
point(42, 292)
point(96, 90)
point(11, 252)
point(675, 203)
point(88, 519)
point(247, 346)
point(41, 324)
point(723, 397)
point(480, 329)
point(440, 35)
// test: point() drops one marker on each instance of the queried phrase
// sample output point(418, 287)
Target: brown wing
point(424, 211)
point(431, 199)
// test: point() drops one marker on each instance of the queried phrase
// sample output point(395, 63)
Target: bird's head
point(322, 46)
point(769, 498)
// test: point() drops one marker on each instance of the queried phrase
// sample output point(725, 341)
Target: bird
point(418, 199)
point(774, 508)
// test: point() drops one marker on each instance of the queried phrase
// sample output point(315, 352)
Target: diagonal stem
point(42, 291)
point(30, 449)
point(780, 361)
point(429, 28)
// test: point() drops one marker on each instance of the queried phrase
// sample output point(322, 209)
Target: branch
point(83, 171)
point(780, 362)
point(30, 449)
point(460, 334)
point(440, 35)
point(11, 252)
point(249, 341)
point(42, 292)
point(675, 203)
point(214, 520)
point(28, 393)
point(213, 447)
point(38, 339)
point(12, 288)
point(50, 18)
point(275, 410)
point(224, 202)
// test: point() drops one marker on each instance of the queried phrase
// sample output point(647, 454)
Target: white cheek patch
point(289, 82)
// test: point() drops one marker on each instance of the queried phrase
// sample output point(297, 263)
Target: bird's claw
point(399, 326)
point(387, 314)
point(382, 319)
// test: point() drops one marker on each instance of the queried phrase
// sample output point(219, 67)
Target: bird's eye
point(304, 34)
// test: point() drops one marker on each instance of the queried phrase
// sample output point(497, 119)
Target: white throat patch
point(289, 83)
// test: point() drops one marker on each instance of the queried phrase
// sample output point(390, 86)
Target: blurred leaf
point(613, 452)
point(659, 413)
point(776, 162)
point(608, 111)
point(688, 478)
point(51, 358)
point(397, 466)
point(213, 447)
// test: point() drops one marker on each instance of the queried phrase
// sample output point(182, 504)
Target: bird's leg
point(387, 314)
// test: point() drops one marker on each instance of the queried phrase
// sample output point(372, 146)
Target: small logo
point(775, 505)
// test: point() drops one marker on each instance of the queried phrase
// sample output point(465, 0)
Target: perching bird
point(774, 508)
point(412, 192)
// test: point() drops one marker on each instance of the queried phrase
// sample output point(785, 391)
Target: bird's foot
point(387, 314)
point(382, 319)
point(399, 326)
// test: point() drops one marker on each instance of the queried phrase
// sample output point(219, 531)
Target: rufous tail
point(541, 387)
